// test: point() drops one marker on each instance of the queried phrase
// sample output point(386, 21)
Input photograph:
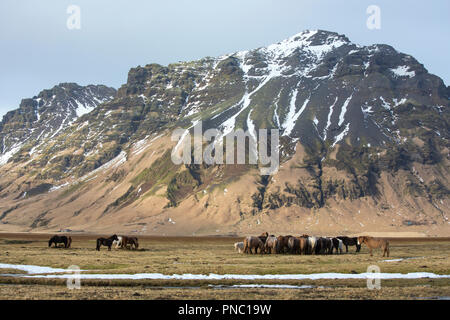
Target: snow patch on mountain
point(344, 110)
point(402, 71)
point(330, 113)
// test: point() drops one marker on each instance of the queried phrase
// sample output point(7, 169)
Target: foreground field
point(216, 255)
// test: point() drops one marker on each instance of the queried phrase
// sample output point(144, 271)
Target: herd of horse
point(306, 244)
point(118, 241)
point(264, 243)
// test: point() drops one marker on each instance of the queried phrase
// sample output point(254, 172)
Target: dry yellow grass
point(216, 255)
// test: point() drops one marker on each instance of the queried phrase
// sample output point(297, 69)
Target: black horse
point(320, 246)
point(106, 242)
point(60, 239)
point(350, 242)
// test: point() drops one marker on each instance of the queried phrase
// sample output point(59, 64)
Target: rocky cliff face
point(362, 129)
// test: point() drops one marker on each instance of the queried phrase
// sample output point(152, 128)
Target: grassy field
point(204, 255)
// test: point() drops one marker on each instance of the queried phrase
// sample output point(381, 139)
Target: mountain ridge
point(362, 128)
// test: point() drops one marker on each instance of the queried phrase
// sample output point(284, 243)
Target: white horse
point(118, 243)
point(239, 247)
point(341, 245)
point(312, 241)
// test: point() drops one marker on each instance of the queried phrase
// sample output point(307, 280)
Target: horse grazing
point(264, 236)
point(271, 244)
point(338, 245)
point(60, 239)
point(132, 241)
point(294, 245)
point(303, 244)
point(329, 245)
point(253, 243)
point(350, 242)
point(106, 242)
point(320, 246)
point(118, 243)
point(239, 247)
point(375, 243)
point(311, 243)
point(282, 244)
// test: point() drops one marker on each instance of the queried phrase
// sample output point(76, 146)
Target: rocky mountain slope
point(364, 134)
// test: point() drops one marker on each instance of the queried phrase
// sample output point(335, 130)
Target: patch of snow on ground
point(30, 269)
point(33, 270)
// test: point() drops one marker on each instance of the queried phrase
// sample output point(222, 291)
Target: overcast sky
point(38, 51)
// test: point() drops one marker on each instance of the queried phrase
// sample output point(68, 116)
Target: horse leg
point(371, 254)
point(385, 250)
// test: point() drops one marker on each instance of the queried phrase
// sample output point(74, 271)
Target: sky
point(38, 50)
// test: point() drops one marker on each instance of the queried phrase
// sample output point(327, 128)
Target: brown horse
point(131, 241)
point(253, 243)
point(294, 245)
point(264, 236)
point(375, 243)
point(282, 244)
point(303, 244)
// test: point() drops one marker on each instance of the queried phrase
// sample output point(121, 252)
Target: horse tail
point(98, 244)
point(137, 243)
point(245, 245)
point(69, 241)
point(50, 242)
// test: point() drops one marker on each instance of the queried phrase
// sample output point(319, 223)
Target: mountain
point(22, 131)
point(364, 146)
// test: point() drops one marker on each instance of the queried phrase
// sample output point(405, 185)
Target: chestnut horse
point(253, 242)
point(303, 244)
point(106, 242)
point(282, 244)
point(375, 243)
point(60, 239)
point(132, 241)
